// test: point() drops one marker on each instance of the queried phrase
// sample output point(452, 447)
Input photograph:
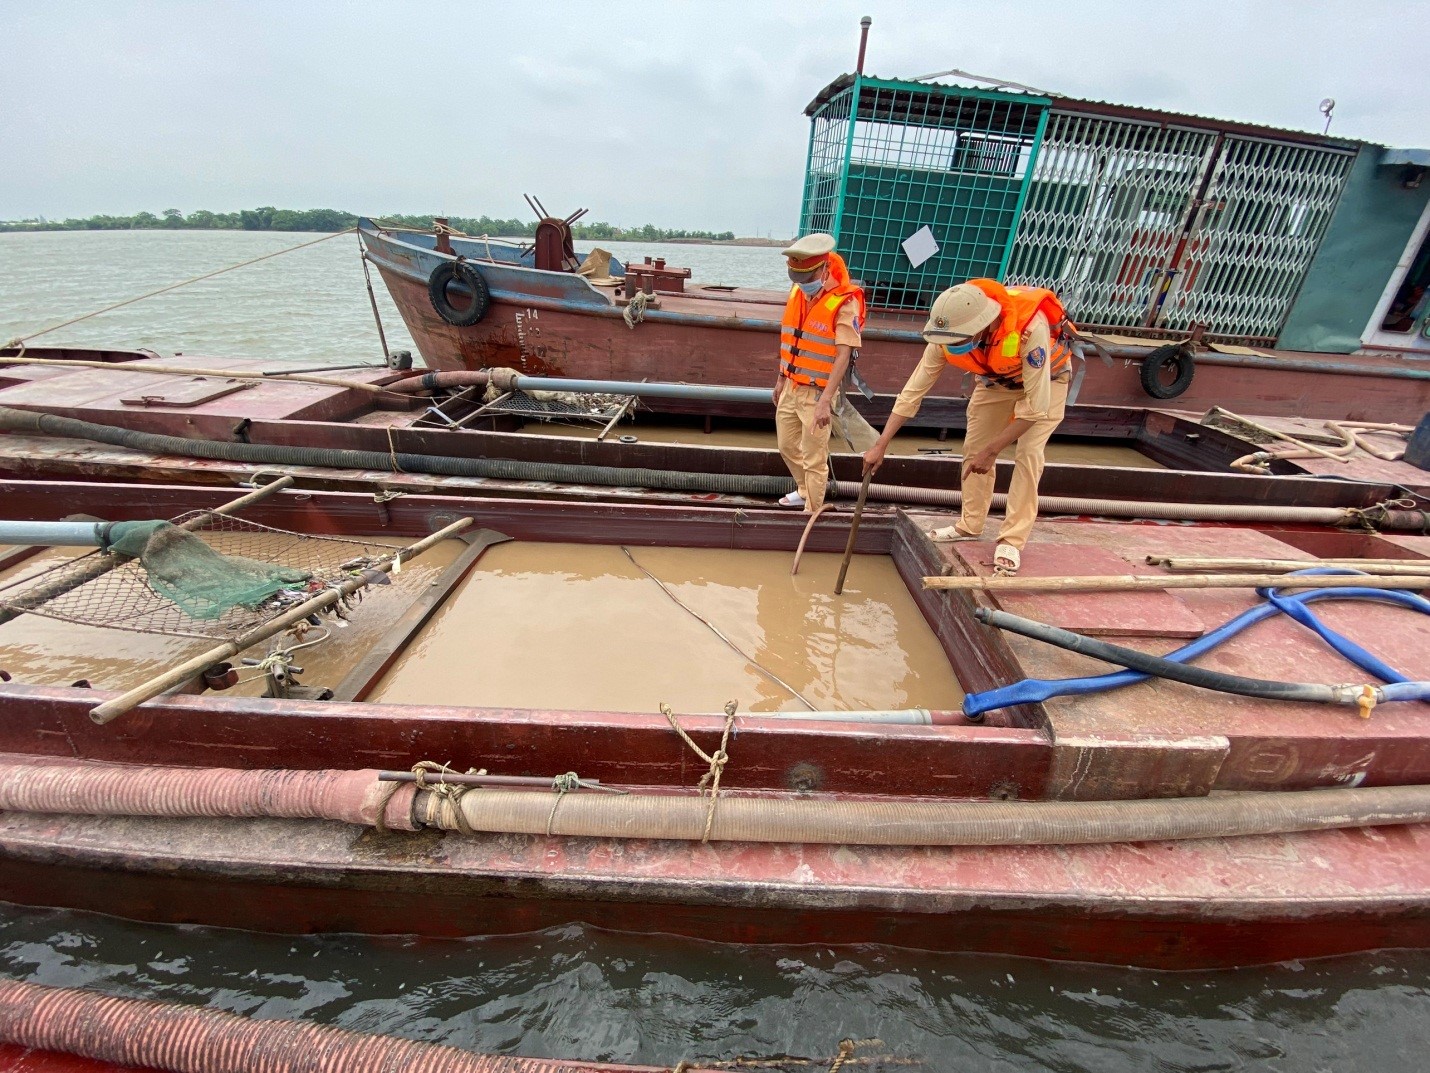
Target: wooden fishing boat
point(1219, 898)
point(549, 322)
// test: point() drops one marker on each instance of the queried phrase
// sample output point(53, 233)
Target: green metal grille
point(910, 155)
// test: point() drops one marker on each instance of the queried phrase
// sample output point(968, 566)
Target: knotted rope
point(717, 760)
point(635, 309)
point(562, 785)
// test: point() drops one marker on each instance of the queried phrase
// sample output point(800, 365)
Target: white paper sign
point(920, 246)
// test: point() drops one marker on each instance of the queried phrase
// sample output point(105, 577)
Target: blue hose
point(1036, 690)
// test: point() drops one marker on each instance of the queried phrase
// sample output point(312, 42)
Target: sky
point(680, 114)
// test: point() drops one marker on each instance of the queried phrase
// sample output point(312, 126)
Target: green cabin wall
point(1373, 223)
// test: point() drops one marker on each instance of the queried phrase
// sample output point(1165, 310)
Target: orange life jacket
point(807, 346)
point(1001, 361)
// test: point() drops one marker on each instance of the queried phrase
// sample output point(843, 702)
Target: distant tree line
point(267, 218)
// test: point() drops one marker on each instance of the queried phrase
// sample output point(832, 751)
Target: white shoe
point(792, 499)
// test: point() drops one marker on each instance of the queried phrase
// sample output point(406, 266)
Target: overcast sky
point(677, 114)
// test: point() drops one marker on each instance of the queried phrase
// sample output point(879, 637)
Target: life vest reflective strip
point(1001, 361)
point(807, 347)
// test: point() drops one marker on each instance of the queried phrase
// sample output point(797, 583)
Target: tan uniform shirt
point(846, 329)
point(1037, 375)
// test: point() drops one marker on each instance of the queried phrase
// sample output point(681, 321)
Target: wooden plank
point(1112, 614)
point(380, 656)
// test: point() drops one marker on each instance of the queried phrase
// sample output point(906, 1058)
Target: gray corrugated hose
point(13, 420)
point(925, 823)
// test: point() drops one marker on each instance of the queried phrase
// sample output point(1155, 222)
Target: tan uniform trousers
point(990, 409)
point(804, 448)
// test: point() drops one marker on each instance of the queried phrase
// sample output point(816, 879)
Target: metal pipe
point(101, 564)
point(54, 534)
point(902, 716)
point(864, 25)
point(642, 389)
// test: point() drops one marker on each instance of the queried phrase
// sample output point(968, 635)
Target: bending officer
point(1010, 339)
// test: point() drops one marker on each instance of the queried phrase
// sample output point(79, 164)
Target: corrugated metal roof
point(1110, 108)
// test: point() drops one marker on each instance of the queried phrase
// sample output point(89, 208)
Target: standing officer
point(1010, 339)
point(822, 321)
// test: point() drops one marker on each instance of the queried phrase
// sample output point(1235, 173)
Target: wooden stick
point(102, 564)
point(853, 532)
point(1331, 454)
point(112, 709)
point(1135, 582)
point(621, 412)
point(1401, 567)
point(177, 370)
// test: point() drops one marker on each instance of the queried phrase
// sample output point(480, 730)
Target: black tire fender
point(1176, 357)
point(467, 275)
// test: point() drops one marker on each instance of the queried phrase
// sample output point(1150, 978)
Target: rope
point(1369, 517)
point(717, 760)
point(445, 794)
point(732, 645)
point(21, 340)
point(392, 452)
point(563, 785)
point(635, 309)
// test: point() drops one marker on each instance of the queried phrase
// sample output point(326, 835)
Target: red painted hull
point(1189, 904)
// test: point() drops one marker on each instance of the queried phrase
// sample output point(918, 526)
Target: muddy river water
point(585, 627)
point(539, 625)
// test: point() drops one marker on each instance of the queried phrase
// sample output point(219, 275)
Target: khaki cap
point(960, 312)
point(809, 251)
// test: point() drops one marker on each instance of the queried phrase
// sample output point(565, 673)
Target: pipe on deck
point(55, 534)
point(505, 380)
point(35, 422)
point(69, 787)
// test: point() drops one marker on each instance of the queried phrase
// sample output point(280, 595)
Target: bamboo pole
point(180, 370)
point(1386, 567)
point(853, 533)
point(1136, 582)
point(112, 709)
point(1286, 437)
point(102, 564)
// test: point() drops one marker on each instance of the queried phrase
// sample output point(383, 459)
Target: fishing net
point(204, 584)
point(203, 575)
point(559, 406)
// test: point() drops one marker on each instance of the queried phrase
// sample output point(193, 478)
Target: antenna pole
point(864, 25)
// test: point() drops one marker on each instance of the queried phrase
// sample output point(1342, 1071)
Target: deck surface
point(1277, 736)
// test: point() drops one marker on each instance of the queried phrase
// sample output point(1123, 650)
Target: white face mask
point(812, 288)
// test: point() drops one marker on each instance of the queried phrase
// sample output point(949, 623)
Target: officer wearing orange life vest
point(820, 331)
point(1008, 337)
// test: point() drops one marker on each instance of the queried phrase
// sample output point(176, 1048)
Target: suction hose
point(137, 1033)
point(13, 420)
point(1381, 516)
point(65, 787)
point(1363, 695)
point(1036, 690)
point(29, 421)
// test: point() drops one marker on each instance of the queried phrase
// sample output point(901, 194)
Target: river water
point(577, 991)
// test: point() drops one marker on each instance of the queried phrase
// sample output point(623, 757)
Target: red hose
point(184, 1039)
point(433, 381)
point(115, 790)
